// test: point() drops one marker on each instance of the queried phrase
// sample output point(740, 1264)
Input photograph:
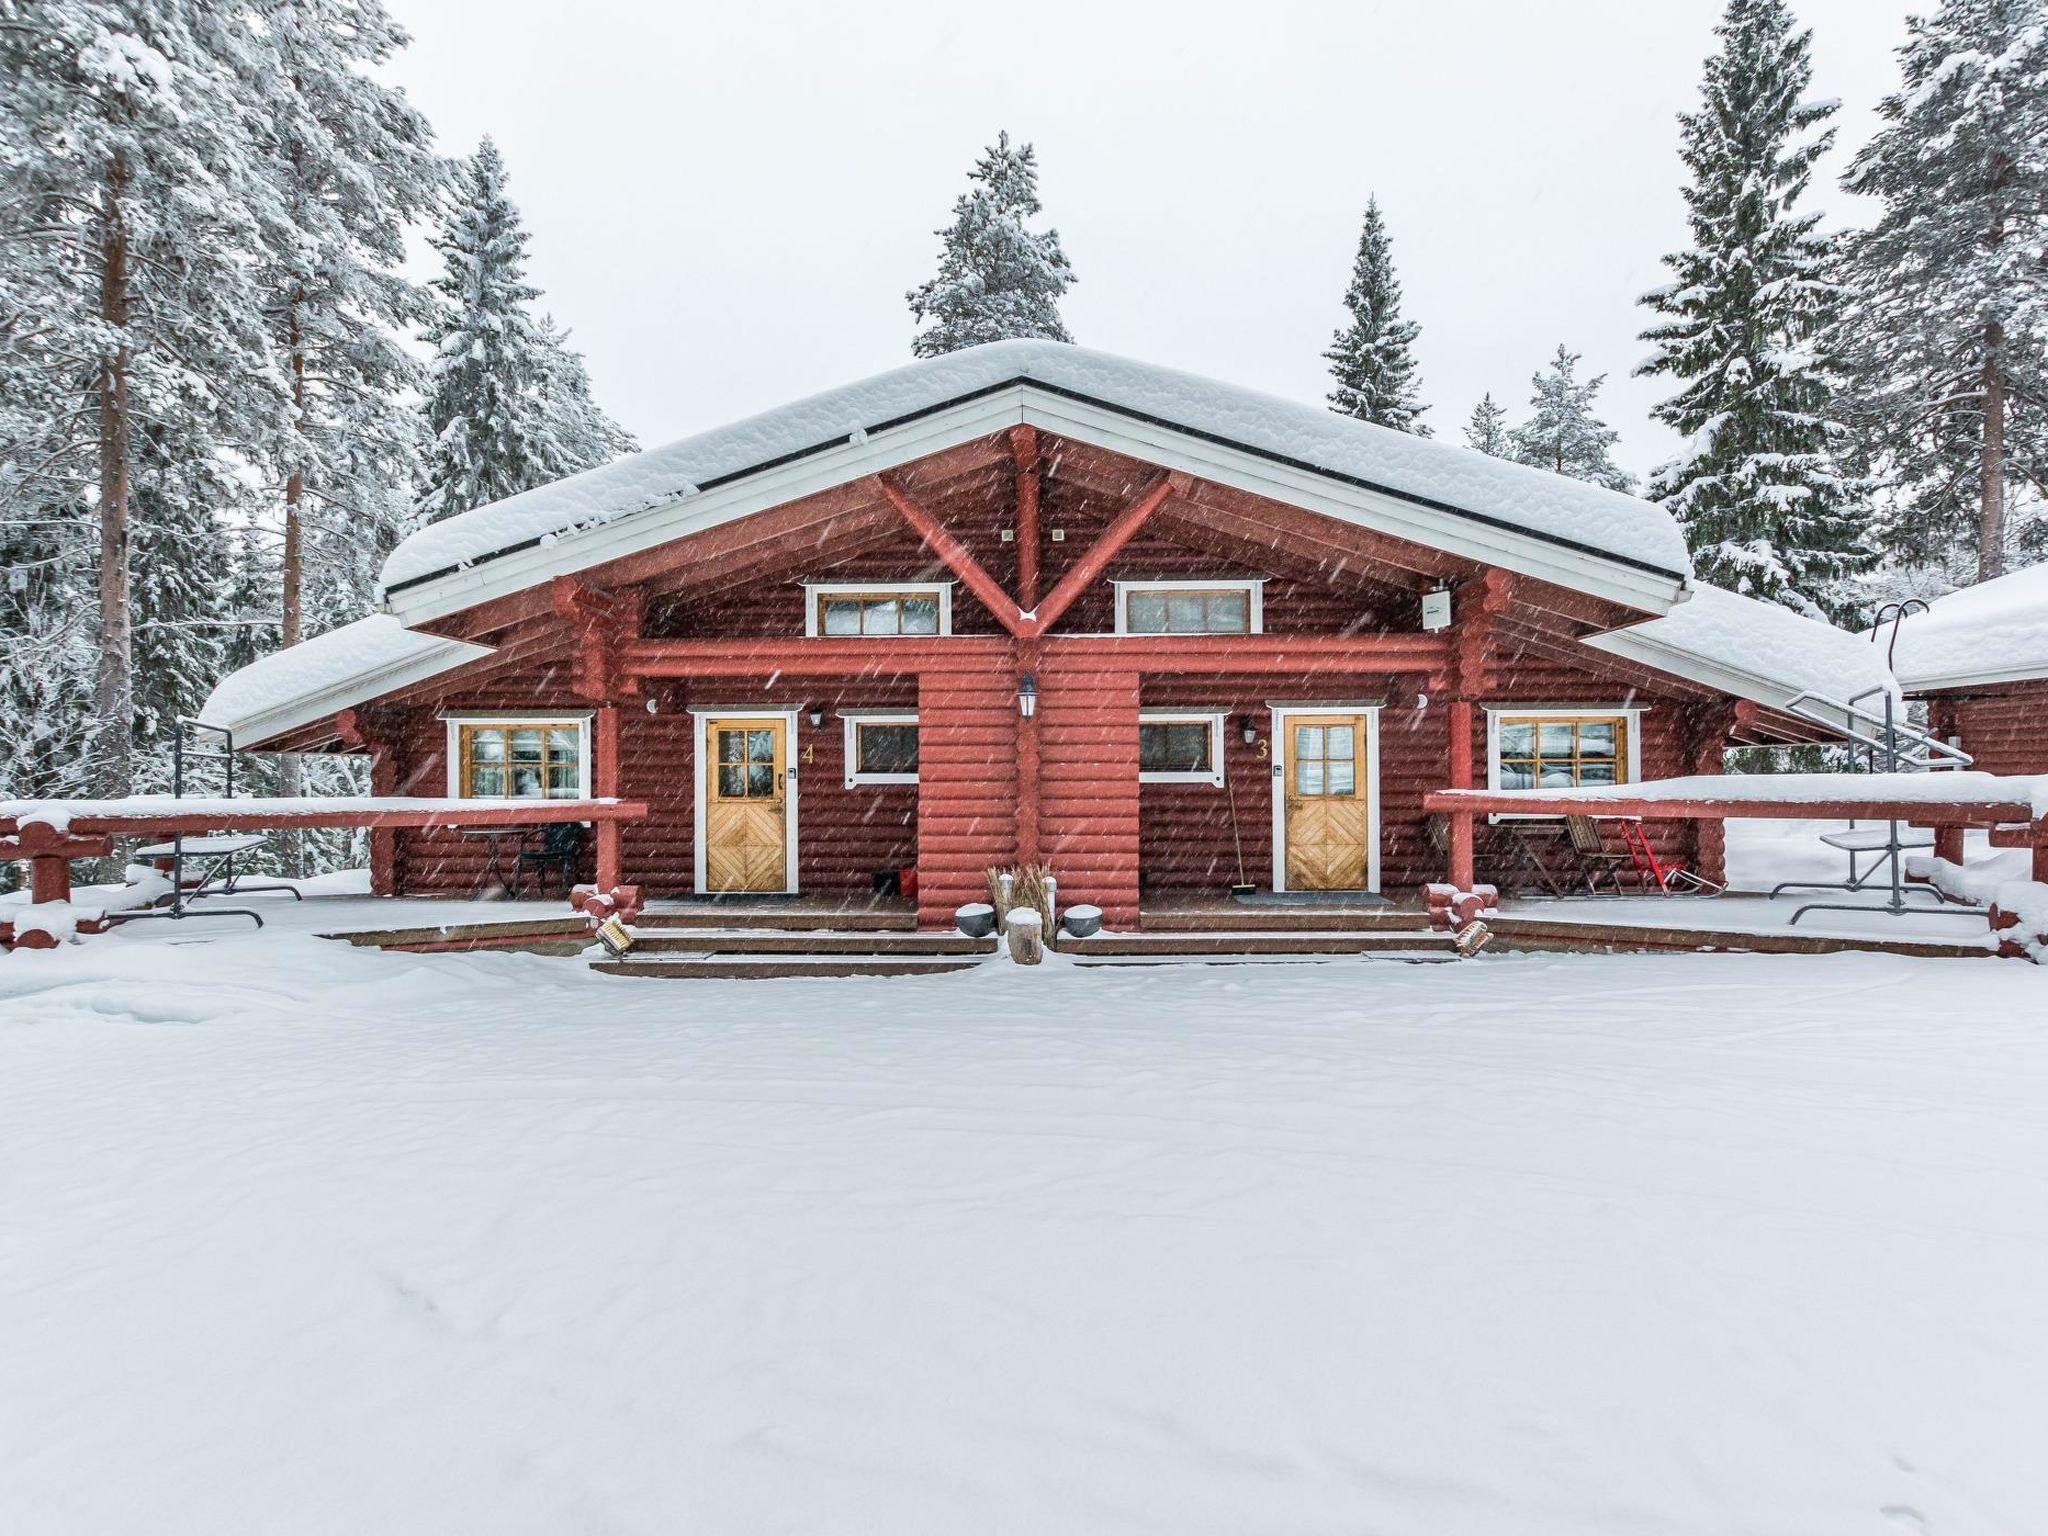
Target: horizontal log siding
point(2005, 731)
point(967, 784)
point(1088, 775)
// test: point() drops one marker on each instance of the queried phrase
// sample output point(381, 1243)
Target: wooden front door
point(1327, 813)
point(746, 806)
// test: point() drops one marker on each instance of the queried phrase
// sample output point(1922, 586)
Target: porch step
point(767, 967)
point(1250, 919)
point(567, 935)
point(1411, 956)
point(784, 919)
point(1183, 945)
point(1551, 935)
point(735, 942)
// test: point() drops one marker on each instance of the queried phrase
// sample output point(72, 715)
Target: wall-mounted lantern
point(1027, 695)
point(816, 716)
point(1248, 728)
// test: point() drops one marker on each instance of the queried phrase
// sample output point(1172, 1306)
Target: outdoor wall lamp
point(1027, 695)
point(1248, 728)
point(816, 715)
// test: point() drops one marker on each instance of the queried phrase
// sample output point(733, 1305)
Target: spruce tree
point(1371, 358)
point(1488, 430)
point(1948, 333)
point(1765, 505)
point(585, 432)
point(998, 279)
point(497, 427)
point(1562, 433)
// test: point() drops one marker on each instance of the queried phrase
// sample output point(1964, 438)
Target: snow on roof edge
point(1993, 632)
point(298, 686)
point(1447, 477)
point(1755, 650)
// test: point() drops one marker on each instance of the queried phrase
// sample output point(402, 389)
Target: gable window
point(1562, 748)
point(1180, 748)
point(500, 758)
point(881, 749)
point(878, 608)
point(1223, 607)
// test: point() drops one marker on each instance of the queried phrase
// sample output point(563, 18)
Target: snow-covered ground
point(298, 1237)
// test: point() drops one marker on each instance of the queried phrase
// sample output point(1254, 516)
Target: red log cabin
point(1979, 658)
point(1033, 603)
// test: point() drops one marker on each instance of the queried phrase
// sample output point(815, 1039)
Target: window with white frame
point(1180, 748)
point(1538, 748)
point(1232, 606)
point(881, 749)
point(499, 757)
point(878, 608)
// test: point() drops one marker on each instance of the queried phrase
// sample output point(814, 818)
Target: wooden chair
point(1595, 857)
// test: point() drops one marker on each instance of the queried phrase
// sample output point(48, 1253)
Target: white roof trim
point(1530, 554)
point(332, 689)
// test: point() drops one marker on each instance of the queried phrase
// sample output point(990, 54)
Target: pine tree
point(497, 427)
point(1562, 433)
point(133, 197)
point(1948, 334)
point(1371, 357)
point(1764, 503)
point(1488, 430)
point(997, 279)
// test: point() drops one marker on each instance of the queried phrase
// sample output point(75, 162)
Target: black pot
point(977, 919)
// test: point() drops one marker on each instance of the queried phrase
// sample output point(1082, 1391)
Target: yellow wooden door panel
point(1328, 827)
point(746, 806)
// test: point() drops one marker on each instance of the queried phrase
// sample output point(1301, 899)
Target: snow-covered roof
point(1995, 632)
point(1427, 490)
point(330, 672)
point(1755, 650)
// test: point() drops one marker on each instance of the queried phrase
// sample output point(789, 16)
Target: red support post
point(1948, 843)
point(1024, 450)
point(1458, 773)
point(2041, 848)
point(1027, 763)
point(604, 784)
point(1462, 875)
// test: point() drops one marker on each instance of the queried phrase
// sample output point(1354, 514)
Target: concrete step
point(767, 967)
point(1253, 919)
point(732, 915)
point(1416, 938)
point(891, 944)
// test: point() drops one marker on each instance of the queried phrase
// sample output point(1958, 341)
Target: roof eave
point(1099, 423)
point(252, 731)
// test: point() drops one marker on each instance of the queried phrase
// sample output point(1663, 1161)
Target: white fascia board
point(1984, 678)
point(1631, 645)
point(1489, 544)
point(634, 533)
point(312, 707)
point(1167, 446)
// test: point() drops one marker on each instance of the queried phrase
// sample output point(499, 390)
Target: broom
point(1243, 887)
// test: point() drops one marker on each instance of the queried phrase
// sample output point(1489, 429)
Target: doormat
point(1312, 899)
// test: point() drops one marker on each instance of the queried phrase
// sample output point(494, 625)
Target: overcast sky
point(727, 202)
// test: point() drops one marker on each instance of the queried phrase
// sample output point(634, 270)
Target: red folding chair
point(1669, 877)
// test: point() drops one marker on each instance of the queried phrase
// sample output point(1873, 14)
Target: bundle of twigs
point(1022, 885)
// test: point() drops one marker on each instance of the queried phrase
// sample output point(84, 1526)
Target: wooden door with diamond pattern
point(746, 806)
point(1327, 812)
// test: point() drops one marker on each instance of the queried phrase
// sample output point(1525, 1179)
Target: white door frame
point(700, 733)
point(1280, 714)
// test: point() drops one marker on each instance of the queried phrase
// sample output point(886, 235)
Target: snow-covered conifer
point(1765, 504)
point(1947, 335)
point(1371, 356)
point(496, 429)
point(998, 279)
point(1563, 434)
point(1488, 430)
point(133, 193)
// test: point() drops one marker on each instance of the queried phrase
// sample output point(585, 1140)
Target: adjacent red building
point(1029, 602)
